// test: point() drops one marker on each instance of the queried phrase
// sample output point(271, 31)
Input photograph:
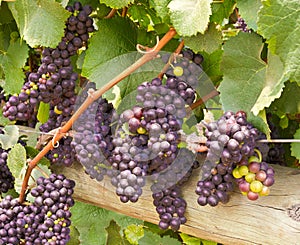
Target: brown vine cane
point(90, 99)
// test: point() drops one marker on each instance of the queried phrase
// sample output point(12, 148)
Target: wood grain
point(265, 221)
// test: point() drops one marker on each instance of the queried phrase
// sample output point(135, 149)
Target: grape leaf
point(274, 83)
point(244, 75)
point(248, 10)
point(221, 10)
point(5, 14)
point(116, 3)
point(91, 222)
point(10, 136)
point(43, 112)
point(12, 63)
point(133, 233)
point(190, 16)
point(32, 152)
point(103, 62)
point(295, 146)
point(153, 238)
point(113, 235)
point(161, 8)
point(189, 240)
point(289, 101)
point(145, 16)
point(3, 120)
point(211, 65)
point(37, 19)
point(16, 159)
point(208, 42)
point(278, 22)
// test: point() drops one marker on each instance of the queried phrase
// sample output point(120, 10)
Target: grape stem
point(111, 14)
point(89, 100)
point(205, 98)
point(124, 11)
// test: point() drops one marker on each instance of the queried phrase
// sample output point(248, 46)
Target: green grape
point(178, 71)
point(250, 177)
point(236, 173)
point(243, 170)
point(256, 186)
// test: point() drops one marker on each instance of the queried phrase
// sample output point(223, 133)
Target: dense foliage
point(135, 91)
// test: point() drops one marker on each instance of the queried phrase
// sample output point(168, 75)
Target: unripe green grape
point(256, 186)
point(236, 173)
point(253, 159)
point(243, 170)
point(250, 177)
point(178, 71)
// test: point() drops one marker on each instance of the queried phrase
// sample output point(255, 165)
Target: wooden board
point(265, 221)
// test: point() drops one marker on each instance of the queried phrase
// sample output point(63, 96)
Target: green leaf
point(145, 16)
point(289, 101)
point(248, 10)
point(113, 235)
point(161, 8)
point(43, 112)
point(91, 222)
point(222, 10)
point(153, 238)
point(117, 3)
point(190, 240)
point(32, 152)
point(208, 42)
point(3, 120)
point(5, 14)
point(274, 84)
point(206, 242)
point(12, 62)
point(40, 22)
point(16, 159)
point(295, 146)
point(10, 136)
point(101, 60)
point(244, 74)
point(211, 65)
point(190, 16)
point(278, 22)
point(133, 233)
point(74, 234)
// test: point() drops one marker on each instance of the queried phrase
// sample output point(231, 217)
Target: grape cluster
point(171, 208)
point(216, 187)
point(46, 220)
point(166, 190)
point(183, 73)
point(254, 179)
point(276, 151)
point(242, 25)
point(231, 141)
point(92, 135)
point(6, 177)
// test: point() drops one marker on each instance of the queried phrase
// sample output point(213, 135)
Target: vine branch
point(89, 100)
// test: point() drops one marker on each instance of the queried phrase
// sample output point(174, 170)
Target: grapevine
point(94, 94)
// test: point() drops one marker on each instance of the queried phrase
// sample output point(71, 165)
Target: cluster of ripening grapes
point(231, 158)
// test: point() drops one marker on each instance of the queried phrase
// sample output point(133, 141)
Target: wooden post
point(274, 219)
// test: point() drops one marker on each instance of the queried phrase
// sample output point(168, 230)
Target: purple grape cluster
point(6, 177)
point(46, 220)
point(55, 80)
point(242, 25)
point(171, 208)
point(231, 140)
point(166, 190)
point(216, 186)
point(183, 74)
point(92, 141)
